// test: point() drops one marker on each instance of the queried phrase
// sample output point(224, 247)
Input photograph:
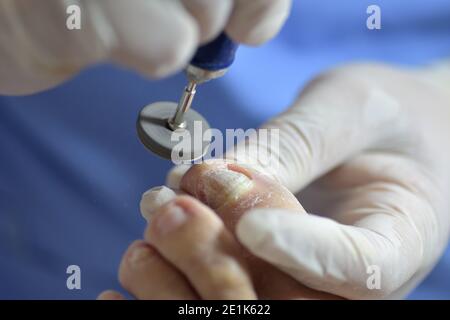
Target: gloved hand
point(371, 144)
point(155, 37)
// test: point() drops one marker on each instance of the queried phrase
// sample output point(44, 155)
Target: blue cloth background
point(72, 169)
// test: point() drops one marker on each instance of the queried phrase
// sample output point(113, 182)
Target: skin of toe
point(201, 247)
point(110, 295)
point(147, 275)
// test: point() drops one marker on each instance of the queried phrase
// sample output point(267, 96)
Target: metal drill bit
point(177, 121)
point(158, 121)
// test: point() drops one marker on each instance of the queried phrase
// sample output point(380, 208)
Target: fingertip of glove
point(254, 23)
point(255, 228)
point(154, 43)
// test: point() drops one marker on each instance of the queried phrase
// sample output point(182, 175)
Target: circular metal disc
point(155, 134)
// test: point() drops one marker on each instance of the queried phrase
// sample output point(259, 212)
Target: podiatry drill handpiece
point(159, 120)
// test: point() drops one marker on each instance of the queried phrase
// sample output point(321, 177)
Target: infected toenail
point(221, 186)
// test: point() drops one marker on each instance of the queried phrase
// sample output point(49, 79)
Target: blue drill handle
point(216, 55)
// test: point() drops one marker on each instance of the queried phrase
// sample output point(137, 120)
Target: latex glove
point(156, 37)
point(385, 206)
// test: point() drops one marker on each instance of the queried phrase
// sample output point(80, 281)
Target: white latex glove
point(156, 37)
point(385, 132)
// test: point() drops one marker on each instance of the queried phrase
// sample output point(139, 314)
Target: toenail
point(172, 218)
point(155, 198)
point(139, 254)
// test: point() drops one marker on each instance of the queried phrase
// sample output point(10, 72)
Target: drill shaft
point(177, 121)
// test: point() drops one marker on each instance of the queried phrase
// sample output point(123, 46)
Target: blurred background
point(72, 169)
